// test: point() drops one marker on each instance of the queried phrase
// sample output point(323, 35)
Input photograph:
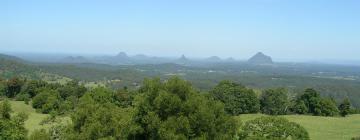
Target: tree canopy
point(237, 98)
point(274, 101)
point(174, 110)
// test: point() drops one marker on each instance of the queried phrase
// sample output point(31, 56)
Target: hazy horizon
point(323, 30)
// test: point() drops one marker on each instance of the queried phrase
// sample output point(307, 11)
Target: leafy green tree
point(123, 98)
point(65, 106)
point(52, 104)
point(13, 87)
point(312, 99)
point(11, 128)
point(299, 107)
point(273, 128)
point(174, 110)
point(5, 109)
point(274, 101)
point(237, 98)
point(22, 97)
point(72, 88)
point(345, 107)
point(94, 119)
point(327, 108)
point(47, 100)
point(30, 87)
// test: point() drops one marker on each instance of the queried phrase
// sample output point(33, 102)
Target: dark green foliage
point(273, 128)
point(65, 106)
point(355, 138)
point(274, 101)
point(11, 128)
point(94, 119)
point(22, 97)
point(299, 107)
point(13, 87)
point(72, 88)
point(174, 110)
point(327, 107)
point(31, 87)
point(237, 98)
point(311, 99)
point(316, 105)
point(47, 100)
point(5, 109)
point(345, 107)
point(123, 98)
point(2, 87)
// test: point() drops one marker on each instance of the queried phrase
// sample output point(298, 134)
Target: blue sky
point(284, 29)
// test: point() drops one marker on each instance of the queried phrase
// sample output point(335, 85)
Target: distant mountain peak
point(230, 59)
point(260, 58)
point(214, 58)
point(183, 58)
point(140, 56)
point(74, 59)
point(122, 54)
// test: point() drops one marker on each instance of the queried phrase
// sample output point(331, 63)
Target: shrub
point(273, 128)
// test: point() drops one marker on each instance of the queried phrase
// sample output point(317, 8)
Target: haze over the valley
point(306, 31)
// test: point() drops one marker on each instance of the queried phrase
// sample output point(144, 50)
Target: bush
point(22, 97)
point(273, 128)
point(5, 109)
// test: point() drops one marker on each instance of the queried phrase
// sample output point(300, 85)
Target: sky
point(283, 29)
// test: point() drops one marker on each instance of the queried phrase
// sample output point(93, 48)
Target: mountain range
point(123, 59)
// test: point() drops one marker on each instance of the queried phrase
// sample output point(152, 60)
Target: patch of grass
point(53, 78)
point(322, 128)
point(33, 122)
point(94, 84)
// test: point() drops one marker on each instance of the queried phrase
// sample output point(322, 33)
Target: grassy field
point(33, 122)
point(322, 128)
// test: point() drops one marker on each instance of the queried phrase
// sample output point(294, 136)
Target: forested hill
point(11, 66)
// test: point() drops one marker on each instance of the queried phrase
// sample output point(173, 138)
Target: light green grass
point(94, 84)
point(33, 122)
point(53, 78)
point(322, 128)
